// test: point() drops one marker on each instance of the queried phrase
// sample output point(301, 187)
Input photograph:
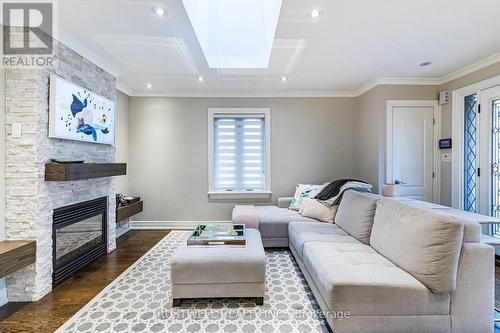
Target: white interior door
point(410, 154)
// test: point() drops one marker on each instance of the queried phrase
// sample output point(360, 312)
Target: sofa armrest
point(284, 202)
point(472, 301)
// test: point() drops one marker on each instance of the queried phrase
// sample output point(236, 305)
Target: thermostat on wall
point(445, 144)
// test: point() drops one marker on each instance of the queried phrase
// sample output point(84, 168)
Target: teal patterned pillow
point(304, 192)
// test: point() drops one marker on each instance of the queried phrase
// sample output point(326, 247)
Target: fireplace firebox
point(79, 236)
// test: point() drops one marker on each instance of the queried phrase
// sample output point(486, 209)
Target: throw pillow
point(304, 192)
point(316, 210)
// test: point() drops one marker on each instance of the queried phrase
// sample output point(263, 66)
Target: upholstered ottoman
point(220, 272)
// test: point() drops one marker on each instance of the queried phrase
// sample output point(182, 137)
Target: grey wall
point(370, 120)
point(311, 142)
point(122, 107)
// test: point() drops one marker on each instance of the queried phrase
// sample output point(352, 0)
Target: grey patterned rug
point(139, 301)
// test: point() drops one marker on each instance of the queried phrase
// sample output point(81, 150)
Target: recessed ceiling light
point(315, 13)
point(284, 79)
point(201, 79)
point(159, 11)
point(425, 63)
point(149, 85)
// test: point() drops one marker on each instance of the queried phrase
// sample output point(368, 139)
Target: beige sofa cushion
point(300, 233)
point(316, 210)
point(423, 242)
point(355, 214)
point(472, 228)
point(354, 277)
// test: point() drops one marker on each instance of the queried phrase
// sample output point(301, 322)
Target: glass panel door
point(495, 165)
point(470, 152)
point(495, 158)
point(489, 156)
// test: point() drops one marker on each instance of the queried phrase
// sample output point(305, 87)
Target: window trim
point(212, 112)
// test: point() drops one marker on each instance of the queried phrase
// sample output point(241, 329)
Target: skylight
point(235, 34)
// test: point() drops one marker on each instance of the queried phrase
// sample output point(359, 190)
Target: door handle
point(397, 182)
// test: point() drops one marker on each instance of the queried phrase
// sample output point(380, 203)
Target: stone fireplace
point(30, 200)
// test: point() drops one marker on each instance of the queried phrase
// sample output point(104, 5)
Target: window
point(239, 153)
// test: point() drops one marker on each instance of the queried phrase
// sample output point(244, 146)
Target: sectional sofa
point(387, 266)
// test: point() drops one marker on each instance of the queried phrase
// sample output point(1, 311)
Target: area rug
point(139, 301)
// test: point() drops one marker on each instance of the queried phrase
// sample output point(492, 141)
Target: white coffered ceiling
point(351, 44)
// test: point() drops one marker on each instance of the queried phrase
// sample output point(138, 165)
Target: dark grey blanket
point(333, 188)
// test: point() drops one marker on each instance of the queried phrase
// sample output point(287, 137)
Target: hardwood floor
point(66, 299)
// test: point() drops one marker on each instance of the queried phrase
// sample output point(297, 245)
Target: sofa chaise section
point(272, 222)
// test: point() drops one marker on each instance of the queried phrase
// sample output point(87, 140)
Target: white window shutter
point(239, 145)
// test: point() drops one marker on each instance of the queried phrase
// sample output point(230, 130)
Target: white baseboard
point(181, 225)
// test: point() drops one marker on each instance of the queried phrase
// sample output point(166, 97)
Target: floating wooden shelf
point(124, 212)
point(15, 255)
point(75, 171)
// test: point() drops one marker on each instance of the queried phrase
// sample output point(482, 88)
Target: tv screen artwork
point(79, 114)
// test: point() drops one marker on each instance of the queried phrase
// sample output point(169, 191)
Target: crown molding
point(126, 88)
point(97, 60)
point(396, 81)
point(483, 63)
point(254, 94)
point(471, 68)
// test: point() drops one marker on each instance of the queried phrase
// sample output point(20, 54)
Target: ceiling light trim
point(159, 11)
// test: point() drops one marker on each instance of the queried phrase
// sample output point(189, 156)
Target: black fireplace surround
point(79, 236)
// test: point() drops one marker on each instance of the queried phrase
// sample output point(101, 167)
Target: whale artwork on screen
point(79, 114)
